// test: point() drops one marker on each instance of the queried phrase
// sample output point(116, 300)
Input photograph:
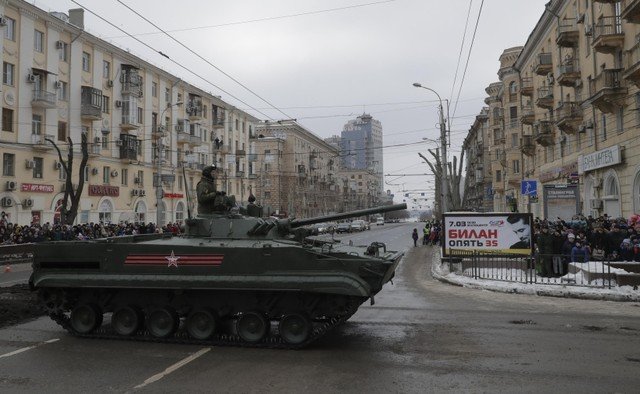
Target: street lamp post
point(159, 192)
point(444, 184)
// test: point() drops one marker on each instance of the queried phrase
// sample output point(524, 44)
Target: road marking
point(24, 349)
point(173, 368)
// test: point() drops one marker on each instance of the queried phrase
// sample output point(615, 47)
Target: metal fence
point(537, 269)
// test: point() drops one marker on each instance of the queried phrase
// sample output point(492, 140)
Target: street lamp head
point(417, 84)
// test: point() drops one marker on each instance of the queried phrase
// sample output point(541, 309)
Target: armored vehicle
point(231, 279)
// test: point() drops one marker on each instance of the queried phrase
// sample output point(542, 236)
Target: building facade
point(565, 113)
point(361, 147)
point(147, 130)
point(296, 171)
point(478, 189)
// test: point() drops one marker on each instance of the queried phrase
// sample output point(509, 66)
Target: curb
point(547, 291)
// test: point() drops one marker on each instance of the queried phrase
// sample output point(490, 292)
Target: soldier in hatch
point(206, 190)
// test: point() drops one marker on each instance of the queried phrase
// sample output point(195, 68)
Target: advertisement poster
point(561, 201)
point(491, 233)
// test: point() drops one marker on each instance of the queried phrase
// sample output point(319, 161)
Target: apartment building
point(147, 129)
point(565, 113)
point(360, 189)
point(478, 181)
point(361, 147)
point(296, 170)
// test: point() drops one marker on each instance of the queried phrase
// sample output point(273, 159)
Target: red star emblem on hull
point(173, 260)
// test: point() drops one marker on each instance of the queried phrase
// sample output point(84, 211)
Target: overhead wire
point(464, 35)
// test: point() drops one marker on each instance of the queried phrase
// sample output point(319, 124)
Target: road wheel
point(202, 323)
point(85, 318)
point(295, 328)
point(253, 327)
point(163, 322)
point(127, 320)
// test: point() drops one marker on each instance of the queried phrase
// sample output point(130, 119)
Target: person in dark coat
point(625, 251)
point(415, 237)
point(579, 253)
point(545, 249)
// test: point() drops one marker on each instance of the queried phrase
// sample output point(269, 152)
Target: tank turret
point(236, 226)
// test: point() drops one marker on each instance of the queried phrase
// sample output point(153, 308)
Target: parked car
point(343, 227)
point(358, 225)
point(380, 222)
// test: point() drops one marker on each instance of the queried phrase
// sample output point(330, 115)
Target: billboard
point(490, 233)
point(561, 201)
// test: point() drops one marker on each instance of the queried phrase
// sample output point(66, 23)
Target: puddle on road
point(530, 322)
point(594, 328)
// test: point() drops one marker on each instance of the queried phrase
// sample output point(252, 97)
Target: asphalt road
point(420, 336)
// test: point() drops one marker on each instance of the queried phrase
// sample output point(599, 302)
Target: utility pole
point(443, 150)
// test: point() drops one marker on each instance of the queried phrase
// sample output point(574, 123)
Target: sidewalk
point(441, 272)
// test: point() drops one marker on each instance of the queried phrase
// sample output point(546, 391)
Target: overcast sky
point(324, 62)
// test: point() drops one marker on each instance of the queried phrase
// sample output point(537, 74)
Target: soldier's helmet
point(207, 172)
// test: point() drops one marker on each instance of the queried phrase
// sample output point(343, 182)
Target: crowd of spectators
point(16, 234)
point(582, 239)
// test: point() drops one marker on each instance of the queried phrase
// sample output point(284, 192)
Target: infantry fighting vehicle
point(231, 279)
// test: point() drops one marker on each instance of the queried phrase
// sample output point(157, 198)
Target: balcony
point(90, 103)
point(528, 114)
point(129, 121)
point(527, 145)
point(543, 64)
point(498, 116)
point(194, 108)
point(157, 132)
point(512, 124)
point(632, 62)
point(239, 174)
point(526, 86)
point(186, 138)
point(607, 34)
point(568, 73)
point(567, 35)
point(253, 157)
point(39, 143)
point(544, 133)
point(498, 137)
point(44, 99)
point(569, 117)
point(631, 10)
point(241, 152)
point(607, 91)
point(545, 97)
point(131, 81)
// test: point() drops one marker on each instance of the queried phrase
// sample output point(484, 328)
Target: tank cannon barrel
point(353, 214)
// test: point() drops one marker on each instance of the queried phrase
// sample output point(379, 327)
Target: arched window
point(104, 211)
point(636, 193)
point(179, 212)
point(612, 205)
point(513, 88)
point(141, 212)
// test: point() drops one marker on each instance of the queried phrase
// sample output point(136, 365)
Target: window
point(8, 164)
point(167, 95)
point(36, 124)
point(105, 142)
point(236, 124)
point(498, 176)
point(603, 119)
point(10, 29)
point(267, 195)
point(180, 183)
point(63, 53)
point(516, 166)
point(105, 104)
point(86, 62)
point(37, 168)
point(106, 174)
point(62, 131)
point(38, 41)
point(514, 140)
point(7, 119)
point(63, 91)
point(637, 109)
point(619, 120)
point(106, 69)
point(8, 72)
point(124, 180)
point(141, 178)
point(154, 89)
point(140, 116)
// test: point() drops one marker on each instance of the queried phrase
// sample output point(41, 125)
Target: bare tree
point(453, 196)
point(68, 216)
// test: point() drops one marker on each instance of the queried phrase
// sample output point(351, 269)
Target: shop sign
point(603, 158)
point(173, 195)
point(36, 188)
point(104, 190)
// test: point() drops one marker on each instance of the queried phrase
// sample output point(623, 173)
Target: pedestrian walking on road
point(415, 237)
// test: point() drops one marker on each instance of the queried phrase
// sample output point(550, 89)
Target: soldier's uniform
point(206, 191)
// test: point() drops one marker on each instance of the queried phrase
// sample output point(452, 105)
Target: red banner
point(36, 188)
point(104, 190)
point(173, 195)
